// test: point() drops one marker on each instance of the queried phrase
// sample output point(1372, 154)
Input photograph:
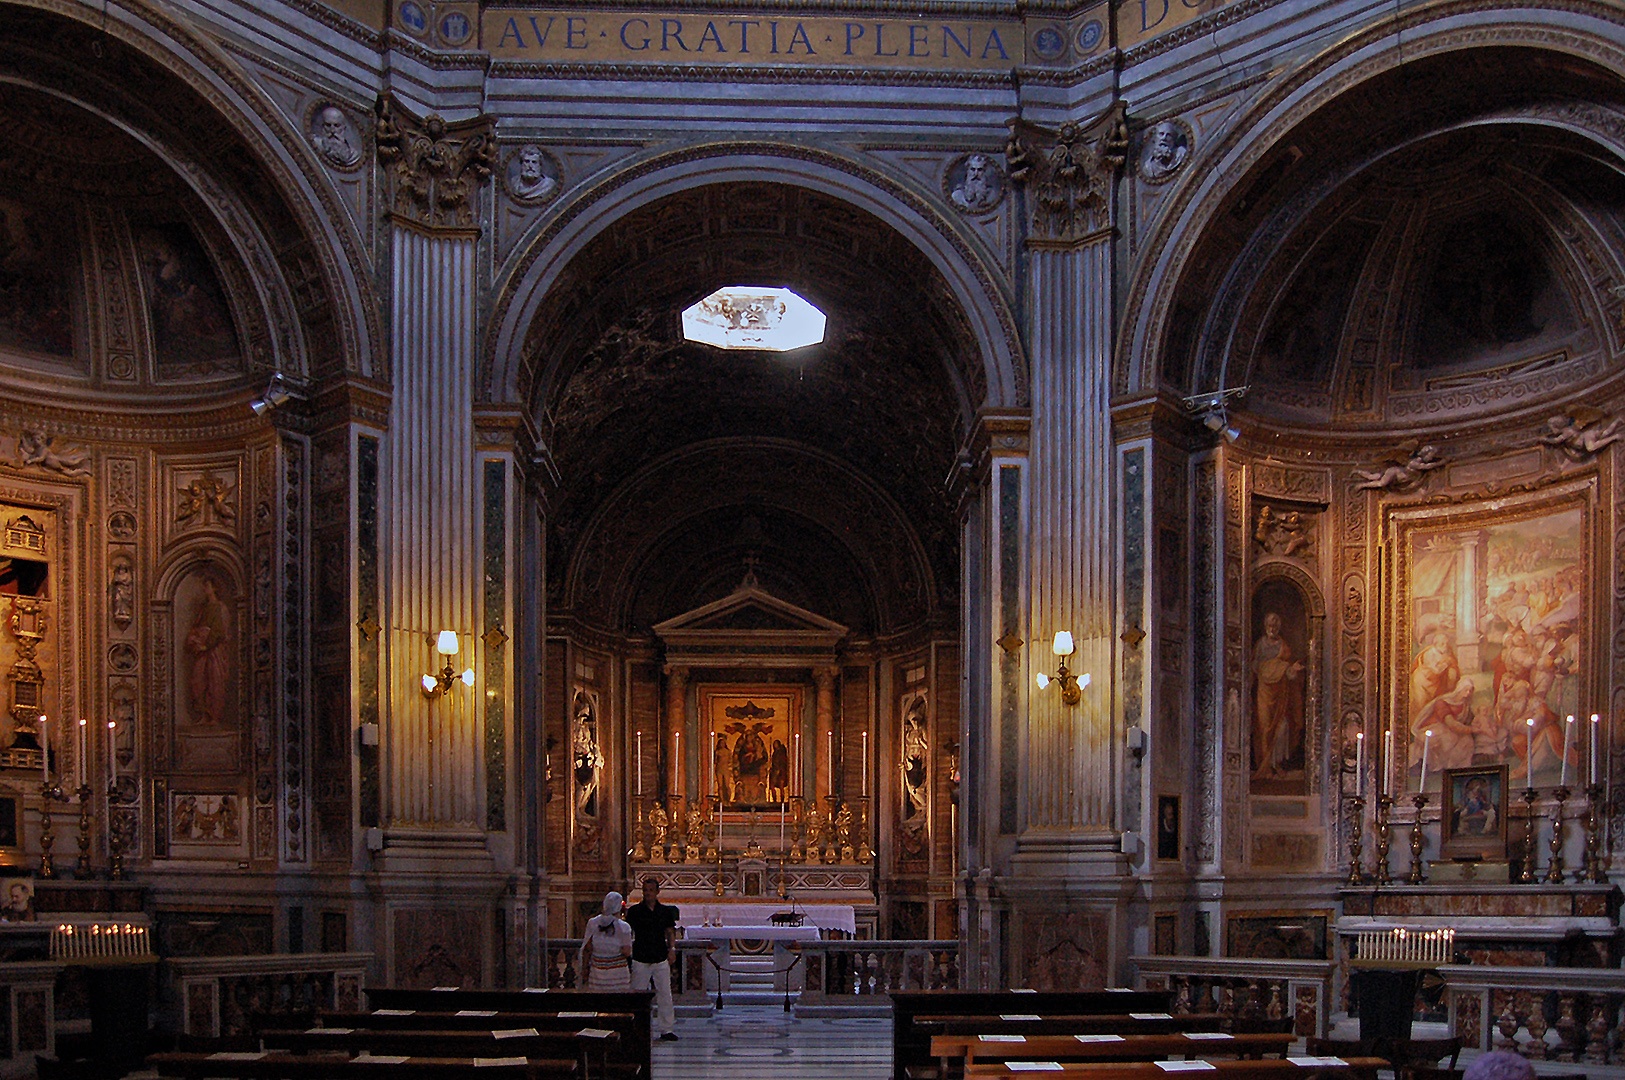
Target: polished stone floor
point(752, 1042)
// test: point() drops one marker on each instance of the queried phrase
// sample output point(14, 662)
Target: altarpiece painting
point(751, 732)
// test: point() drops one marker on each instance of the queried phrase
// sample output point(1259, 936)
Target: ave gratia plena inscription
point(576, 36)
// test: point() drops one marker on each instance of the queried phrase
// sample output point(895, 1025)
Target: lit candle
point(640, 763)
point(676, 758)
point(831, 758)
point(110, 750)
point(1422, 780)
point(1359, 763)
point(84, 742)
point(1387, 758)
point(1568, 741)
point(44, 752)
point(795, 784)
point(1595, 724)
point(1529, 755)
point(864, 790)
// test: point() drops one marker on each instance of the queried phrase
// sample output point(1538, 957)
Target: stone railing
point(1245, 989)
point(1554, 1014)
point(27, 1009)
point(559, 957)
point(851, 973)
point(217, 995)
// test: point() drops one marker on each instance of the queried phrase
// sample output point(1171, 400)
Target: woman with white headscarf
point(606, 949)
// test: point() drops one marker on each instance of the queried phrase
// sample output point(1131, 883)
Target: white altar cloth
point(840, 917)
point(753, 932)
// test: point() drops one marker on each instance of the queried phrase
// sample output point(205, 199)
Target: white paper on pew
point(1119, 989)
point(1024, 990)
point(577, 1015)
point(475, 1012)
point(394, 1012)
point(595, 1033)
point(536, 989)
point(1001, 1038)
point(1098, 1038)
point(329, 1031)
point(514, 1033)
point(1316, 1062)
point(1151, 1016)
point(481, 1063)
point(1208, 1035)
point(445, 988)
point(237, 1055)
point(383, 1059)
point(1020, 1016)
point(1033, 1066)
point(1184, 1066)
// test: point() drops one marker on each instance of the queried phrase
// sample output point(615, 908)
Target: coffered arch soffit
point(543, 283)
point(180, 98)
point(680, 532)
point(1330, 145)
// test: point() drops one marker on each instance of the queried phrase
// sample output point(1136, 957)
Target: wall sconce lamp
point(445, 643)
point(1071, 685)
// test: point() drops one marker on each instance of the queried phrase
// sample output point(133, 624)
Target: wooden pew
point(411, 1020)
point(1364, 1068)
point(956, 1052)
point(911, 1043)
point(590, 1052)
point(274, 1066)
point(635, 1045)
point(1105, 1024)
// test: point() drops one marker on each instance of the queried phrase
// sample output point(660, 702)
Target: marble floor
point(752, 1042)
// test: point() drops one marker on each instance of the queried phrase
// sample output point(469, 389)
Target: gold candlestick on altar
point(82, 869)
point(866, 854)
point(1528, 875)
point(1356, 875)
point(797, 824)
point(832, 853)
point(1593, 866)
point(1385, 803)
point(639, 852)
point(1419, 800)
point(48, 792)
point(1554, 872)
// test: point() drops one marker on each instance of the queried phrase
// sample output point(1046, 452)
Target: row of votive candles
point(1407, 946)
point(71, 941)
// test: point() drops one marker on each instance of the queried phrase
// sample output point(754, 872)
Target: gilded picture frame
point(1474, 813)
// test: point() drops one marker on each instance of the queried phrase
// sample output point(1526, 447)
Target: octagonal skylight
point(763, 317)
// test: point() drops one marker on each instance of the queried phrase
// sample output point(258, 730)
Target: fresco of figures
point(1497, 625)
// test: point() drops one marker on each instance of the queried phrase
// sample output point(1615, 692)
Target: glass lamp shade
point(1063, 643)
point(429, 684)
point(1043, 680)
point(445, 643)
point(467, 676)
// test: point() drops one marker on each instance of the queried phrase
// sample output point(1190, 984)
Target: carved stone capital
point(432, 168)
point(1068, 174)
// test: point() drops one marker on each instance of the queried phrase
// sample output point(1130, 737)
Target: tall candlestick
point(864, 790)
point(1529, 755)
point(1359, 763)
point(1568, 741)
point(44, 752)
point(1427, 741)
point(640, 763)
point(1387, 758)
point(1594, 726)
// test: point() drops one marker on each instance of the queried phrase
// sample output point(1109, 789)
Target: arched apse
point(519, 371)
point(190, 106)
point(1353, 180)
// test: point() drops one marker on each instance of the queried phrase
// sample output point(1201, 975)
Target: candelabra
point(866, 854)
point(639, 852)
point(831, 852)
point(1418, 800)
point(1355, 874)
point(1385, 803)
point(716, 839)
point(1593, 867)
point(48, 793)
point(115, 838)
point(1554, 872)
point(798, 824)
point(1528, 875)
point(678, 846)
point(82, 869)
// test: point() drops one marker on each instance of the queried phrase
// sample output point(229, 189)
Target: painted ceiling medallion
point(762, 317)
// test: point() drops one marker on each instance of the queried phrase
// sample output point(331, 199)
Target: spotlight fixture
point(1071, 685)
point(445, 643)
point(1213, 410)
point(277, 394)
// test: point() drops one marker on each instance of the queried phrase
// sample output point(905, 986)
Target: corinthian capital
point(432, 168)
point(1068, 173)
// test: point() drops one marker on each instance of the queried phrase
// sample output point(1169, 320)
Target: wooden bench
point(1105, 1024)
point(635, 1041)
point(277, 1066)
point(956, 1052)
point(911, 1041)
point(480, 1020)
point(1264, 1069)
point(591, 1052)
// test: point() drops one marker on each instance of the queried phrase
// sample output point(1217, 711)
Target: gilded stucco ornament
point(1581, 432)
point(1068, 173)
point(43, 451)
point(1403, 468)
point(433, 168)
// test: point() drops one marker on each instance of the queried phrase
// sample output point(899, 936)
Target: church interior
point(1057, 494)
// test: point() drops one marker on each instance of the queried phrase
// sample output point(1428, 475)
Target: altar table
point(754, 932)
point(842, 917)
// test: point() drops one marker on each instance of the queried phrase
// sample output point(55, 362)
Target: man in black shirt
point(654, 946)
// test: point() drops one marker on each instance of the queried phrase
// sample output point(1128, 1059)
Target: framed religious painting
point(1491, 640)
point(753, 749)
point(1475, 813)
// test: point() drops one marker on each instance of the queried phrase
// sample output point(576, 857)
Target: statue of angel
point(1403, 467)
point(1580, 432)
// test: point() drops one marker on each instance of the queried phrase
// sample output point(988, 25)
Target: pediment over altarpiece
point(750, 626)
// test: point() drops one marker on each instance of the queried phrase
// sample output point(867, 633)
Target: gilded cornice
point(1161, 416)
point(763, 73)
point(351, 400)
